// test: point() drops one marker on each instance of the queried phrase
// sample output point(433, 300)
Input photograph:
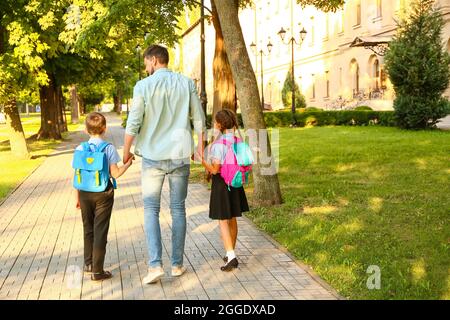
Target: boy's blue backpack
point(91, 168)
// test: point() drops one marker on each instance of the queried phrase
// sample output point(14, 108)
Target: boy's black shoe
point(230, 265)
point(87, 268)
point(101, 276)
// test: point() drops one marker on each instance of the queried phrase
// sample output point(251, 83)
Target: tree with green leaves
point(20, 67)
point(286, 93)
point(418, 67)
point(324, 5)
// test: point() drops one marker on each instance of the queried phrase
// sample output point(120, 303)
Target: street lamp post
point(292, 42)
point(262, 54)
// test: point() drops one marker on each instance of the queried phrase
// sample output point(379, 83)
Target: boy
point(96, 207)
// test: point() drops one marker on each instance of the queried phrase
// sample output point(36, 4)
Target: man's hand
point(127, 156)
point(129, 162)
point(197, 156)
point(199, 153)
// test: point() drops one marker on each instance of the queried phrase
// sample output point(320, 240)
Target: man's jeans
point(153, 174)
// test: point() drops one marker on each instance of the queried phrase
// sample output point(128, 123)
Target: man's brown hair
point(161, 53)
point(95, 123)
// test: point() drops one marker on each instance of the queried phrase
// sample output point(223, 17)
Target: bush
point(313, 109)
point(327, 118)
point(363, 108)
point(323, 118)
point(414, 112)
point(418, 66)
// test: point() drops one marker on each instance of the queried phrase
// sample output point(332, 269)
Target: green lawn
point(361, 196)
point(14, 170)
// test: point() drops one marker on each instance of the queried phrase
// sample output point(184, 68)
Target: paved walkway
point(41, 245)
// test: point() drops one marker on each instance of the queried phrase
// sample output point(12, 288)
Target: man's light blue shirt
point(164, 104)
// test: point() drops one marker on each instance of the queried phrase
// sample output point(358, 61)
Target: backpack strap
point(86, 146)
point(102, 146)
point(227, 142)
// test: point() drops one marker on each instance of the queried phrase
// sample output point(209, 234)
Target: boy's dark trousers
point(96, 208)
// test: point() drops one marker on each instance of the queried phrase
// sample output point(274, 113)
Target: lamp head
point(269, 46)
point(253, 47)
point(303, 34)
point(282, 33)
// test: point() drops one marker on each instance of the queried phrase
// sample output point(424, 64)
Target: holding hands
point(128, 157)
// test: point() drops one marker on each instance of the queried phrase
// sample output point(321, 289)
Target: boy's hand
point(77, 199)
point(129, 162)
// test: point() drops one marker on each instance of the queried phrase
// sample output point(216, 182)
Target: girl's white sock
point(231, 255)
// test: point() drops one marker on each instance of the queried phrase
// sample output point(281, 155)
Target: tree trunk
point(82, 104)
point(117, 99)
point(75, 107)
point(267, 187)
point(49, 111)
point(224, 85)
point(63, 107)
point(60, 109)
point(15, 131)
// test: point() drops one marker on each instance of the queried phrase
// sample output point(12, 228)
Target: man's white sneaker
point(154, 274)
point(178, 271)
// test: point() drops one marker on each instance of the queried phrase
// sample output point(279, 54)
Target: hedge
point(326, 118)
point(323, 118)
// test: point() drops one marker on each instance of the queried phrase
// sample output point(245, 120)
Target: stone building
point(339, 61)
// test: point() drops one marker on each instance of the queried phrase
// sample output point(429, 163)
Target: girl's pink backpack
point(238, 162)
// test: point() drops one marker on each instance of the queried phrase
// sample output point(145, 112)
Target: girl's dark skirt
point(225, 204)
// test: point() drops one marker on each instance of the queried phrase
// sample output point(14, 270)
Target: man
point(163, 105)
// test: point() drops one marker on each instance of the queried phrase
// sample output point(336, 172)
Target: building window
point(340, 79)
point(313, 31)
point(375, 73)
point(327, 84)
point(358, 13)
point(379, 8)
point(354, 71)
point(313, 94)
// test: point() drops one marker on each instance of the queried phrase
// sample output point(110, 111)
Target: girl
point(225, 204)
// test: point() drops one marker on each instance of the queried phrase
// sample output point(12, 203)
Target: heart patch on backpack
point(89, 160)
